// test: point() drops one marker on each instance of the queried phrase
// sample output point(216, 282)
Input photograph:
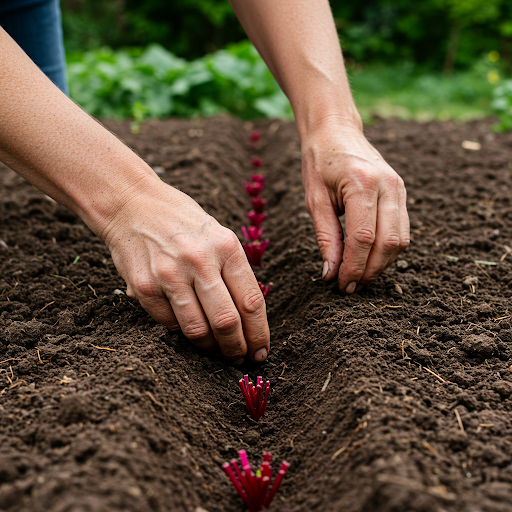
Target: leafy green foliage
point(502, 105)
point(405, 92)
point(374, 31)
point(152, 82)
point(188, 28)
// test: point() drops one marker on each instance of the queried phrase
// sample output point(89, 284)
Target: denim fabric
point(36, 26)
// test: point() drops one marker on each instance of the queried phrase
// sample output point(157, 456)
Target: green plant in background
point(152, 82)
point(405, 92)
point(502, 105)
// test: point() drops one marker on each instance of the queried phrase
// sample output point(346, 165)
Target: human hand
point(344, 174)
point(189, 272)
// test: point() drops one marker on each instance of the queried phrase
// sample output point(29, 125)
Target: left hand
point(344, 174)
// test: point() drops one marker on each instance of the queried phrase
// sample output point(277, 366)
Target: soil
point(396, 399)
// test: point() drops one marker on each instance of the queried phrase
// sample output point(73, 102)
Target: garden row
point(395, 399)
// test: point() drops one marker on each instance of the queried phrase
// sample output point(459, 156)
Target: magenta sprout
point(254, 489)
point(257, 162)
point(253, 396)
point(255, 251)
point(255, 219)
point(258, 178)
point(255, 136)
point(252, 232)
point(253, 189)
point(258, 204)
point(264, 289)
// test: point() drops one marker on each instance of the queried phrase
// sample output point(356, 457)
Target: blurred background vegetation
point(434, 59)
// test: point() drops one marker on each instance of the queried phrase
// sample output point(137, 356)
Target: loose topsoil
point(396, 399)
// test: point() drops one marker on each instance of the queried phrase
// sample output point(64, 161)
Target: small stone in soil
point(252, 437)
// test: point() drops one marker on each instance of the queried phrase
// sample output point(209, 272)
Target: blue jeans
point(36, 26)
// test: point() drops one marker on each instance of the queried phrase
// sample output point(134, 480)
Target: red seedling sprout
point(255, 219)
point(254, 489)
point(255, 248)
point(258, 204)
point(252, 232)
point(257, 162)
point(255, 136)
point(255, 251)
point(253, 189)
point(264, 289)
point(258, 178)
point(253, 396)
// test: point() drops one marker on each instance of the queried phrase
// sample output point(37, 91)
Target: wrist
point(320, 115)
point(117, 185)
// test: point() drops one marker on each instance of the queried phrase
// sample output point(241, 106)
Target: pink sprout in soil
point(254, 489)
point(257, 162)
point(253, 189)
point(255, 251)
point(255, 136)
point(255, 219)
point(252, 232)
point(258, 204)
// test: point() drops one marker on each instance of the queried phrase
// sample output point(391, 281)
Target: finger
point(360, 229)
point(329, 234)
point(191, 317)
point(249, 301)
point(222, 315)
point(387, 238)
point(405, 226)
point(159, 309)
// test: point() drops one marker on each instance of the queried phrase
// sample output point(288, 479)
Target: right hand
point(189, 272)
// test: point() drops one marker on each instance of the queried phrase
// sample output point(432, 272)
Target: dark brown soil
point(101, 409)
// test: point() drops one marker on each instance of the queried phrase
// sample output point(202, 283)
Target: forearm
point(59, 148)
point(298, 41)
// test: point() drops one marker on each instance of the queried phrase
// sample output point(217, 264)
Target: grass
point(404, 93)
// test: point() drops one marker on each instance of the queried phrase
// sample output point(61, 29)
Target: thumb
point(329, 235)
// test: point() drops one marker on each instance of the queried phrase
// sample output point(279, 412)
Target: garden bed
point(101, 409)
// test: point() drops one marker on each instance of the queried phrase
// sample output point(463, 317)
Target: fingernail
point(238, 362)
point(260, 355)
point(351, 287)
point(325, 270)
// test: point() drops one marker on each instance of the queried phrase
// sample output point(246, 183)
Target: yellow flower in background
point(494, 56)
point(493, 76)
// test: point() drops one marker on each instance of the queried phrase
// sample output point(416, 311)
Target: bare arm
point(342, 172)
point(184, 268)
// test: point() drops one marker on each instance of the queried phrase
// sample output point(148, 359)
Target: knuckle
point(143, 285)
point(354, 271)
point(324, 238)
point(226, 322)
point(195, 256)
point(228, 242)
point(260, 339)
point(364, 236)
point(252, 302)
point(404, 243)
point(173, 326)
point(196, 331)
point(391, 243)
point(368, 178)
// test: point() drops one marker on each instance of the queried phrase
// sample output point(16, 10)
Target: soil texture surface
point(396, 399)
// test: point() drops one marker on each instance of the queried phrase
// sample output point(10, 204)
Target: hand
point(344, 174)
point(189, 272)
